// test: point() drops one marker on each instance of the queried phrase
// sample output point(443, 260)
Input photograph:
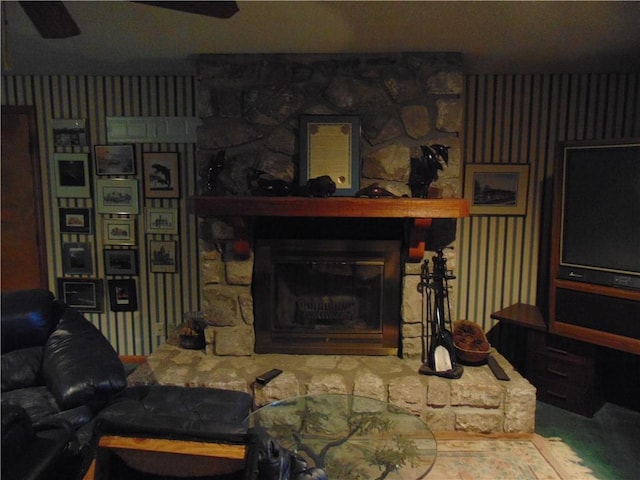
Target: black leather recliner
point(57, 367)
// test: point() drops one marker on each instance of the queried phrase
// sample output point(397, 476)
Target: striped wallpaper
point(519, 119)
point(162, 297)
point(509, 119)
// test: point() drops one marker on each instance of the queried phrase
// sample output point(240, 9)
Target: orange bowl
point(470, 342)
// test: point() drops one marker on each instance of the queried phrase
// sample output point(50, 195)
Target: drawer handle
point(557, 350)
point(557, 395)
point(557, 373)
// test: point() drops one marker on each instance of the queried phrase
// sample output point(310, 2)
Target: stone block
point(440, 419)
point(408, 393)
point(478, 420)
point(329, 383)
point(211, 271)
point(416, 120)
point(438, 392)
point(286, 385)
point(411, 307)
point(412, 348)
point(476, 388)
point(239, 272)
point(519, 405)
point(449, 116)
point(369, 385)
point(445, 83)
point(390, 162)
point(236, 341)
point(220, 305)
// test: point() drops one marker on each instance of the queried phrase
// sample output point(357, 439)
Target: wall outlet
point(159, 329)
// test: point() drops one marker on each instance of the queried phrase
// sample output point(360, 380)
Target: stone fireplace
point(250, 105)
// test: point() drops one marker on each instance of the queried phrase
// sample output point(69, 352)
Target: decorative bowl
point(472, 346)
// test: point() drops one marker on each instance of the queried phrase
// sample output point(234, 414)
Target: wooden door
point(23, 261)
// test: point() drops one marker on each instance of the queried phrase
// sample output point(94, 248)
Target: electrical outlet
point(160, 330)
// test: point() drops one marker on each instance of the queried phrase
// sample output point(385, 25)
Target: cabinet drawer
point(554, 368)
point(582, 400)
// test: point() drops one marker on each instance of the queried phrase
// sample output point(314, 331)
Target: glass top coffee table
point(350, 437)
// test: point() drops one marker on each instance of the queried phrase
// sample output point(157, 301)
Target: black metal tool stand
point(438, 351)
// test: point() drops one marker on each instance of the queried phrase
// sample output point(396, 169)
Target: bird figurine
point(424, 169)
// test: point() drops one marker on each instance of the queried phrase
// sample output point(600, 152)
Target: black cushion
point(28, 318)
point(21, 368)
point(159, 411)
point(80, 366)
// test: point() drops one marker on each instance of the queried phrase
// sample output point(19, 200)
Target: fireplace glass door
point(328, 296)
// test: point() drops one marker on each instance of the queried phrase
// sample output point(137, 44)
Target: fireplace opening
point(327, 295)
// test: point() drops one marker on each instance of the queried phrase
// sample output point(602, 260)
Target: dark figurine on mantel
point(216, 164)
point(374, 191)
point(322, 186)
point(262, 184)
point(424, 170)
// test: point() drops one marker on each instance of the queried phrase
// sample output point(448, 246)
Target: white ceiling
point(494, 37)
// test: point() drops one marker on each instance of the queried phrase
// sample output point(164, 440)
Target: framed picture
point(118, 231)
point(75, 220)
point(83, 295)
point(72, 175)
point(117, 195)
point(122, 295)
point(76, 258)
point(330, 145)
point(114, 160)
point(162, 220)
point(69, 132)
point(162, 256)
point(496, 189)
point(120, 262)
point(161, 175)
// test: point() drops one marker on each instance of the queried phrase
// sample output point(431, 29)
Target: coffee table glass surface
point(351, 437)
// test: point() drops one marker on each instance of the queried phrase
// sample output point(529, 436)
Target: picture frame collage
point(112, 197)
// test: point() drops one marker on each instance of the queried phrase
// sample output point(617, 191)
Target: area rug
point(522, 456)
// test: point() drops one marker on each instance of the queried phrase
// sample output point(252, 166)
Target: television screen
point(600, 240)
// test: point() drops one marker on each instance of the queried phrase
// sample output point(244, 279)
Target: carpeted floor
point(466, 456)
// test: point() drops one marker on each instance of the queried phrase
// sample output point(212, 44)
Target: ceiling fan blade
point(210, 9)
point(51, 19)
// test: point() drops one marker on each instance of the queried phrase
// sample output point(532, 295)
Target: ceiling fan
point(53, 20)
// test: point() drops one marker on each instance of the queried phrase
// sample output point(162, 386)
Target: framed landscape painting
point(496, 189)
point(120, 262)
point(162, 256)
point(85, 295)
point(75, 220)
point(117, 195)
point(162, 220)
point(114, 160)
point(122, 295)
point(72, 175)
point(118, 231)
point(77, 258)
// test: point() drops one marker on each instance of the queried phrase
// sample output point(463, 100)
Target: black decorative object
point(322, 186)
point(261, 184)
point(439, 350)
point(374, 191)
point(424, 170)
point(216, 164)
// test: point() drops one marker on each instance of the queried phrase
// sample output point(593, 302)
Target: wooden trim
point(348, 207)
point(185, 447)
point(137, 359)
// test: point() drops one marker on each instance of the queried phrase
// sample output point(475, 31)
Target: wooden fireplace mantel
point(248, 206)
point(419, 211)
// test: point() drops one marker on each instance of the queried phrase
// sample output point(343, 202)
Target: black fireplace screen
point(327, 296)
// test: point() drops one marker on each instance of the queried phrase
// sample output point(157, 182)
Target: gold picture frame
point(496, 189)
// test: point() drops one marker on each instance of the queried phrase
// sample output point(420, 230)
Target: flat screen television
point(600, 209)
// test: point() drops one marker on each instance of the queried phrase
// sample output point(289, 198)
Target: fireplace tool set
point(437, 340)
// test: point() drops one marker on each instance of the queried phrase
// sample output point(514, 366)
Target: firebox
point(329, 296)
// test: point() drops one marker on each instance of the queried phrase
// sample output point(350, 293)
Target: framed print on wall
point(114, 160)
point(122, 295)
point(69, 132)
point(117, 195)
point(77, 258)
point(84, 295)
point(120, 262)
point(161, 175)
point(162, 256)
point(118, 231)
point(72, 175)
point(75, 220)
point(330, 145)
point(496, 189)
point(162, 220)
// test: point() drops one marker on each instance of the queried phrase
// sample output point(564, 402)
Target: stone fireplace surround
point(249, 105)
